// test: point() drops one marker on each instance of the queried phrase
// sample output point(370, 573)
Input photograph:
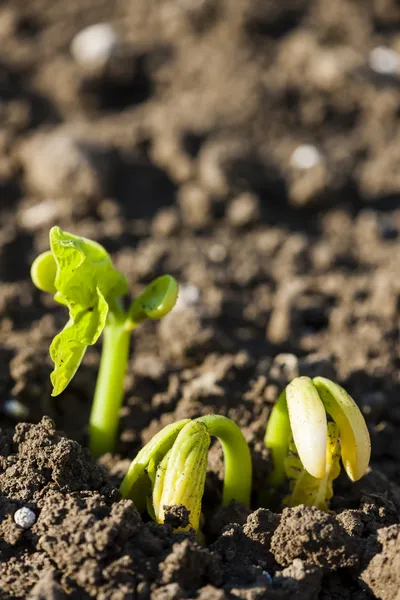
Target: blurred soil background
point(250, 148)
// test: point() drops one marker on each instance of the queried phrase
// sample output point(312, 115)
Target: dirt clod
point(176, 516)
point(309, 534)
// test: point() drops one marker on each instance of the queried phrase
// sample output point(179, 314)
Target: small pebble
point(24, 517)
point(305, 156)
point(284, 368)
point(384, 61)
point(94, 45)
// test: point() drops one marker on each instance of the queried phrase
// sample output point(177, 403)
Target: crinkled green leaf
point(85, 282)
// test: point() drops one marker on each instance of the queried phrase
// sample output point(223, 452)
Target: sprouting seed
point(306, 448)
point(80, 274)
point(171, 469)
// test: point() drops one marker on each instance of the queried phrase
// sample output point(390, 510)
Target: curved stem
point(237, 458)
point(104, 418)
point(277, 438)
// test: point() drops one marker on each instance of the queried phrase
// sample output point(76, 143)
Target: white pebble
point(24, 517)
point(305, 156)
point(15, 408)
point(94, 45)
point(384, 60)
point(189, 295)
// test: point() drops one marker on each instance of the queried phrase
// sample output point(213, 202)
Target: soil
point(178, 157)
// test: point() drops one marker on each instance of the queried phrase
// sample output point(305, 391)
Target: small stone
point(284, 368)
point(24, 517)
point(384, 61)
point(95, 45)
point(305, 156)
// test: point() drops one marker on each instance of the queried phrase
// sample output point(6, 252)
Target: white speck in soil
point(24, 517)
point(384, 61)
point(94, 45)
point(305, 156)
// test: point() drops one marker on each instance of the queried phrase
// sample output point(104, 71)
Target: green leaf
point(86, 281)
point(157, 300)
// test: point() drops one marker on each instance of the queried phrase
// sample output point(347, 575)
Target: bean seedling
point(306, 448)
point(171, 468)
point(80, 274)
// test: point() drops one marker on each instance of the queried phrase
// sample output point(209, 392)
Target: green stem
point(277, 438)
point(237, 458)
point(143, 468)
point(108, 396)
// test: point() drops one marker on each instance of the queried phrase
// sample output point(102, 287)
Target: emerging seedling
point(80, 274)
point(171, 468)
point(306, 448)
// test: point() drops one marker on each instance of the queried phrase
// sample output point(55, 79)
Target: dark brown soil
point(179, 158)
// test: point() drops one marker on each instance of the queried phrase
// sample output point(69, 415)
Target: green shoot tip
point(43, 272)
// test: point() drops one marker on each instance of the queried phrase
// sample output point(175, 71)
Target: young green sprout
point(171, 468)
point(80, 274)
point(306, 448)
